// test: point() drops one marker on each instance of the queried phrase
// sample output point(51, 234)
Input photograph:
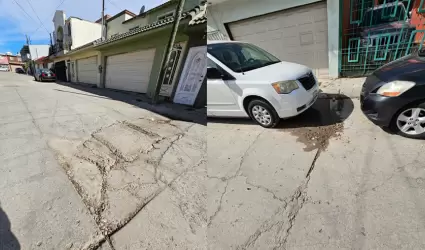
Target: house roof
point(170, 2)
point(42, 58)
point(107, 17)
point(197, 14)
point(122, 13)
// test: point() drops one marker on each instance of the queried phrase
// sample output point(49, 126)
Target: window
point(165, 16)
point(241, 57)
point(226, 75)
point(211, 64)
point(69, 29)
point(385, 14)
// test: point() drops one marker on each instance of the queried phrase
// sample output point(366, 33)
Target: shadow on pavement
point(328, 110)
point(169, 110)
point(8, 241)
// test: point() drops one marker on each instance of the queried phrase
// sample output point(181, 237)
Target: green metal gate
point(375, 32)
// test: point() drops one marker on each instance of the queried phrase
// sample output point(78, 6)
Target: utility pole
point(103, 20)
point(168, 50)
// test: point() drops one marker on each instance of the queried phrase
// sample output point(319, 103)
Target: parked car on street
point(394, 96)
point(19, 71)
point(44, 75)
point(4, 68)
point(244, 80)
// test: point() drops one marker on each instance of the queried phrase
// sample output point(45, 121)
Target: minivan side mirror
point(214, 73)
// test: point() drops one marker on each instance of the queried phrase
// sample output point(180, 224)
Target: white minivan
point(244, 80)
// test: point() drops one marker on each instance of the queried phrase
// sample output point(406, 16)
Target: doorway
point(60, 71)
point(192, 77)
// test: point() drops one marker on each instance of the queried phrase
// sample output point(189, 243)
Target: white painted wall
point(333, 36)
point(83, 32)
point(58, 20)
point(222, 12)
point(127, 16)
point(37, 51)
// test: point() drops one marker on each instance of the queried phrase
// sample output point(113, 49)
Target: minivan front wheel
point(263, 113)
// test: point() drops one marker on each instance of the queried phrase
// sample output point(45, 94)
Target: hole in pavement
point(323, 121)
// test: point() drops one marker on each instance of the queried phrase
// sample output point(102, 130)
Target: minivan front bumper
point(296, 102)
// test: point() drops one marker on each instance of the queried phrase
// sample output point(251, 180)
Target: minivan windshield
point(241, 57)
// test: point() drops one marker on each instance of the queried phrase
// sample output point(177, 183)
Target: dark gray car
point(44, 75)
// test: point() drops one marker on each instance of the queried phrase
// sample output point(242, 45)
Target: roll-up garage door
point(87, 70)
point(297, 35)
point(129, 71)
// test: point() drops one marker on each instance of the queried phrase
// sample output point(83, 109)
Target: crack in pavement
point(282, 221)
point(219, 205)
point(390, 177)
point(227, 180)
point(157, 163)
point(264, 189)
point(29, 112)
point(125, 221)
point(97, 158)
point(140, 129)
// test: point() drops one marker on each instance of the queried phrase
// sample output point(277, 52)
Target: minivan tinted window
point(241, 57)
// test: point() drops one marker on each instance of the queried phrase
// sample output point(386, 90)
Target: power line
point(114, 4)
point(53, 14)
point(25, 14)
point(23, 10)
point(37, 16)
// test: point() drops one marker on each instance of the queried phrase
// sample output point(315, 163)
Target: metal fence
point(375, 32)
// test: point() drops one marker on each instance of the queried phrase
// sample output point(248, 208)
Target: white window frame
point(165, 14)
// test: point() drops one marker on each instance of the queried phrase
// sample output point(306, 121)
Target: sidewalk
point(349, 87)
point(170, 110)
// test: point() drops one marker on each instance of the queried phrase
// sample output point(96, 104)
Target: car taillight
point(53, 74)
point(43, 75)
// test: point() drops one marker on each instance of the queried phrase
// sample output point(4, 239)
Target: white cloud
point(20, 24)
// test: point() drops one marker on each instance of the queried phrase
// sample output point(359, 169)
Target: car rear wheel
point(263, 113)
point(410, 121)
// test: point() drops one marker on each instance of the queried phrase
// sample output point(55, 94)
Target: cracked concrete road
point(268, 190)
point(83, 171)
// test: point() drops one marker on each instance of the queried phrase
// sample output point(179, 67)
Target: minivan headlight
point(395, 88)
point(285, 87)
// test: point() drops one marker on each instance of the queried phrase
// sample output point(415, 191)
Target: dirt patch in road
point(317, 137)
point(323, 121)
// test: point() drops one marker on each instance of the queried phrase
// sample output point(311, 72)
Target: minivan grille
point(308, 81)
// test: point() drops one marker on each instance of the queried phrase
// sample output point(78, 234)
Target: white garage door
point(87, 70)
point(297, 35)
point(130, 71)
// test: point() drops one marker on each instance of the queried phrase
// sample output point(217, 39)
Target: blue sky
point(14, 23)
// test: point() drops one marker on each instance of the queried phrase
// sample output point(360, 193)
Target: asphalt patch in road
point(323, 121)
